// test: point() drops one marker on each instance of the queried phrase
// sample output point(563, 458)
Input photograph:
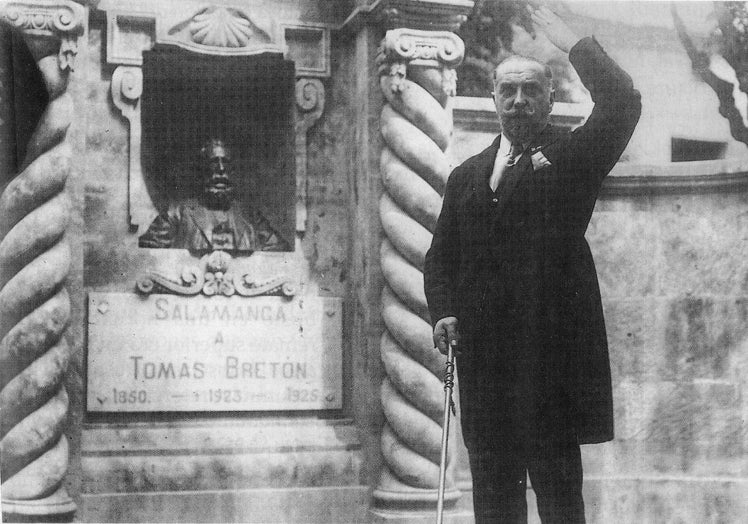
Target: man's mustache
point(218, 178)
point(518, 113)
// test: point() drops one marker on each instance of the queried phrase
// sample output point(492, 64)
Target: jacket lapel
point(202, 223)
point(484, 167)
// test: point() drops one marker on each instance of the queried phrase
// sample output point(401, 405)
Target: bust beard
point(218, 198)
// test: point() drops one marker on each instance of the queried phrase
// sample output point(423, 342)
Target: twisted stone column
point(418, 81)
point(34, 263)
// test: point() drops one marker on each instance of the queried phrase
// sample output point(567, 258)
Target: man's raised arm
point(599, 143)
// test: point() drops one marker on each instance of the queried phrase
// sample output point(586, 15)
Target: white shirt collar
point(505, 147)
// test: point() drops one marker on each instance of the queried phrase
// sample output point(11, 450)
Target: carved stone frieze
point(218, 29)
point(215, 275)
point(44, 18)
point(134, 26)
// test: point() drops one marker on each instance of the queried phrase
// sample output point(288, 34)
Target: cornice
point(428, 15)
point(714, 176)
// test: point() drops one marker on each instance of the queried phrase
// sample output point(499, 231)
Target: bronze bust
point(215, 221)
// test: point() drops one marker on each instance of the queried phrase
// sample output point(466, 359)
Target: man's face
point(217, 179)
point(523, 98)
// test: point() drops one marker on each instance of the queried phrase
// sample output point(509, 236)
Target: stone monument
point(237, 333)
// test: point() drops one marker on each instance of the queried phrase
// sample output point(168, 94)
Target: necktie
point(502, 164)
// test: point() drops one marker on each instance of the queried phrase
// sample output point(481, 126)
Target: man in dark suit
point(510, 275)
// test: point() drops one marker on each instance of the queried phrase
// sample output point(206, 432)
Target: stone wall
point(674, 280)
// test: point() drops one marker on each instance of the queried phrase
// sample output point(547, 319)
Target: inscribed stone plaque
point(173, 353)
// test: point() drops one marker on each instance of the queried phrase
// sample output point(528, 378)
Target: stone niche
point(246, 102)
point(216, 379)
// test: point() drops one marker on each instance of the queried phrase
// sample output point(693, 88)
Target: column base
point(58, 507)
point(326, 505)
point(414, 499)
point(453, 516)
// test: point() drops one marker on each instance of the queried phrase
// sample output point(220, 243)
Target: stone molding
point(134, 26)
point(643, 180)
point(127, 88)
point(446, 15)
point(434, 15)
point(310, 103)
point(59, 19)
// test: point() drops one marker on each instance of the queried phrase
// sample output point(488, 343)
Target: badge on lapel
point(539, 161)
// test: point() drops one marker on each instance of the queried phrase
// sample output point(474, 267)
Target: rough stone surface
point(672, 270)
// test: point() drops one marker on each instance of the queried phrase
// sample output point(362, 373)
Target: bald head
point(524, 62)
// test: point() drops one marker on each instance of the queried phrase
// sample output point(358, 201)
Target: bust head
point(523, 96)
point(215, 165)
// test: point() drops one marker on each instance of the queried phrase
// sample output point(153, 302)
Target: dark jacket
point(191, 225)
point(515, 269)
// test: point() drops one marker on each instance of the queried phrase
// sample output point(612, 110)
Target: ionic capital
point(400, 48)
point(43, 19)
point(424, 48)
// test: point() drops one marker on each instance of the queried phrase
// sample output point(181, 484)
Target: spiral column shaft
point(416, 125)
point(35, 261)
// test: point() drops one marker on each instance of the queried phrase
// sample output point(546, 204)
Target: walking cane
point(449, 382)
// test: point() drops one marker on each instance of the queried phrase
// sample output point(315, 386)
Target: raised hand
point(554, 28)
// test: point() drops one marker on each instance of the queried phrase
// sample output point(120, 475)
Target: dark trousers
point(500, 485)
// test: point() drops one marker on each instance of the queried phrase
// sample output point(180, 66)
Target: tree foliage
point(489, 36)
point(730, 40)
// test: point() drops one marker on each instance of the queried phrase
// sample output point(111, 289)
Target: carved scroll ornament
point(215, 276)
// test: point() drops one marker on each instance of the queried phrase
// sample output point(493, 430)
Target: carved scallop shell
point(221, 27)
